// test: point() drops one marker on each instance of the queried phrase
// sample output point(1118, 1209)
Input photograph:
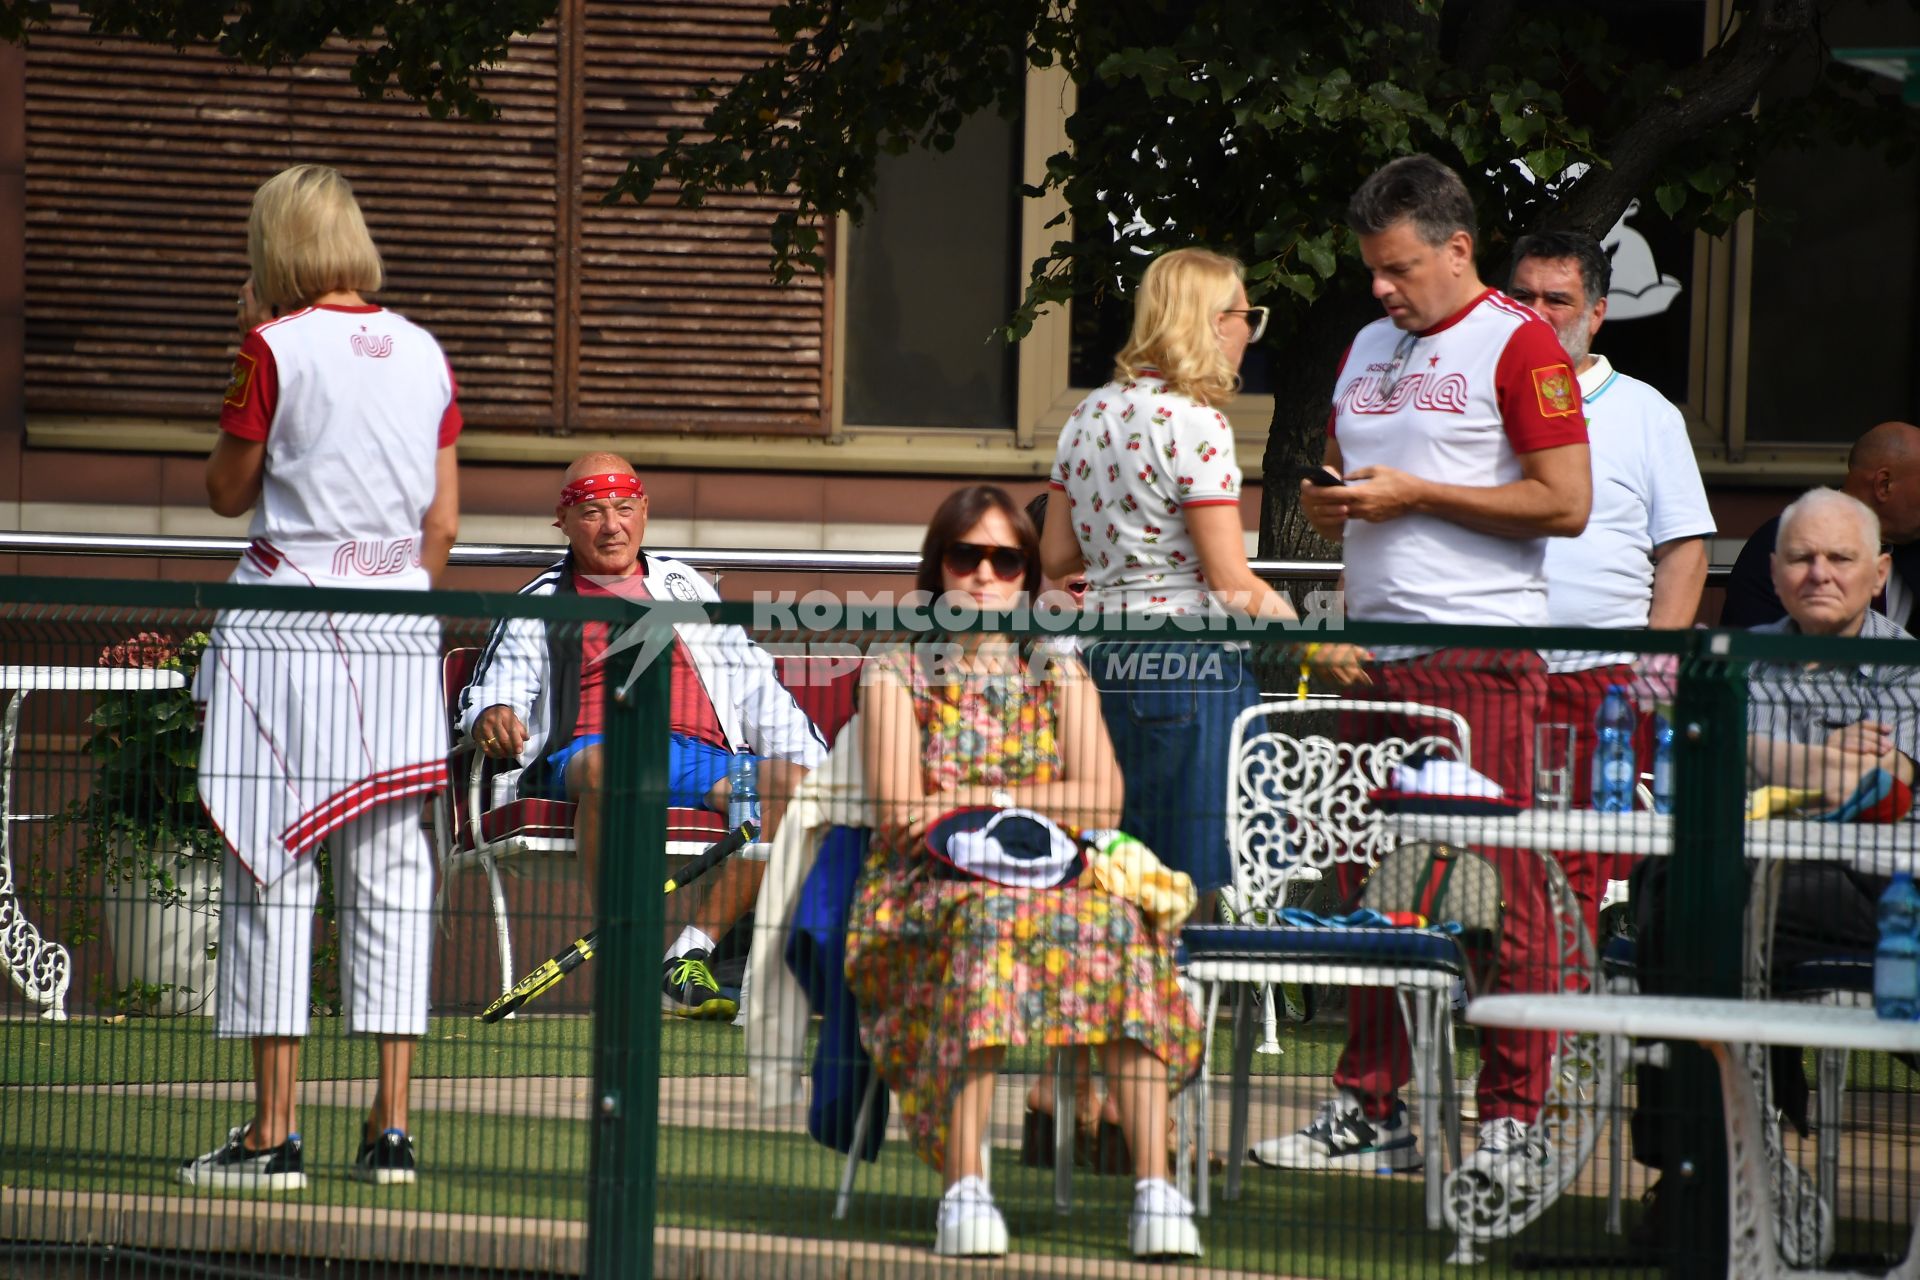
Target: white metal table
point(39, 966)
point(1724, 1028)
point(1875, 848)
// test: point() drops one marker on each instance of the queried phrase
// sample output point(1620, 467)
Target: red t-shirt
point(690, 710)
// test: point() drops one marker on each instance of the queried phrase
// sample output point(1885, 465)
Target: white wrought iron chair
point(1297, 804)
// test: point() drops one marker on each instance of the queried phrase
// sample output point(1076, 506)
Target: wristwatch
point(1001, 798)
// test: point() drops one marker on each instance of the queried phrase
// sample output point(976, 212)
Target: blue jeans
point(1169, 707)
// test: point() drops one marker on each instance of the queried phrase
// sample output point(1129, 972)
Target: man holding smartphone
point(1456, 430)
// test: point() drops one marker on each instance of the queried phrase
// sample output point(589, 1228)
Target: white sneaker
point(970, 1226)
point(746, 985)
point(1161, 1224)
point(1341, 1137)
point(1511, 1157)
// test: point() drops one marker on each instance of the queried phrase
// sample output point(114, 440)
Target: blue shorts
point(693, 767)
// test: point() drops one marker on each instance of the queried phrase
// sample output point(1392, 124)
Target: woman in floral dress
point(948, 972)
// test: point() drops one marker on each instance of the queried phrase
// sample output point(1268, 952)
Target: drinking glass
point(1553, 766)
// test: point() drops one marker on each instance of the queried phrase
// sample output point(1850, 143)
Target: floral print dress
point(942, 967)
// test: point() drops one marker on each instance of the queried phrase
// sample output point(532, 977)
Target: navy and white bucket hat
point(1014, 847)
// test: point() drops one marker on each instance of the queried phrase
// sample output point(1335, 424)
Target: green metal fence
point(593, 1133)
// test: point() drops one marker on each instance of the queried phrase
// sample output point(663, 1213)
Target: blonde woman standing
point(338, 430)
point(1152, 518)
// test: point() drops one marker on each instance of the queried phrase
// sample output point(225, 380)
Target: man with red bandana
point(538, 695)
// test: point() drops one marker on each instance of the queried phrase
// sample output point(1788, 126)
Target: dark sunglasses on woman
point(962, 558)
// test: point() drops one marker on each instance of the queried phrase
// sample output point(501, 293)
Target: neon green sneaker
point(694, 994)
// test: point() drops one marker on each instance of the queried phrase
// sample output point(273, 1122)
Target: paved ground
point(469, 1245)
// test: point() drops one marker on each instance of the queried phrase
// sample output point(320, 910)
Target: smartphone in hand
point(1320, 477)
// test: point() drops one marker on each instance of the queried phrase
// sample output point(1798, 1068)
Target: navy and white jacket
point(533, 667)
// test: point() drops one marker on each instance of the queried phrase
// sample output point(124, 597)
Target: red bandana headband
point(612, 484)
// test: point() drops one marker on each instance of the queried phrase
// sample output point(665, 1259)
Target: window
point(1835, 262)
point(931, 272)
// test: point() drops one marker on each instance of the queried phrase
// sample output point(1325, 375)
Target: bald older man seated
point(1819, 726)
point(538, 694)
point(1849, 732)
point(1883, 472)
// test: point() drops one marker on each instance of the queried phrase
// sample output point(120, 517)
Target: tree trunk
point(1302, 392)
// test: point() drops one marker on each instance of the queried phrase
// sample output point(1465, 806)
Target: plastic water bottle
point(1662, 765)
point(1613, 766)
point(1896, 964)
point(743, 778)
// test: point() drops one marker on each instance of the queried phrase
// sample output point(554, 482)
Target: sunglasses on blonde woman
point(962, 558)
point(1256, 320)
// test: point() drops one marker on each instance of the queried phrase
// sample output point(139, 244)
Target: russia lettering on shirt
point(1459, 403)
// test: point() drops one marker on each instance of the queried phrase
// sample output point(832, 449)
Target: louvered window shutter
point(680, 323)
point(556, 312)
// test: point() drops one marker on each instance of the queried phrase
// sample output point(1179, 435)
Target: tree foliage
point(434, 51)
point(1244, 126)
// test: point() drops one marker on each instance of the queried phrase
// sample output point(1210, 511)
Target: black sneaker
point(694, 992)
point(385, 1161)
point(238, 1167)
point(1649, 1232)
point(1341, 1137)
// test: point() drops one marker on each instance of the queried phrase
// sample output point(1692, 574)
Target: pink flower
point(148, 649)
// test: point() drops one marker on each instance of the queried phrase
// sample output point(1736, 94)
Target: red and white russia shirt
point(1459, 404)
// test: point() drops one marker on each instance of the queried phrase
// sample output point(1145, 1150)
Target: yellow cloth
point(1122, 866)
point(1767, 802)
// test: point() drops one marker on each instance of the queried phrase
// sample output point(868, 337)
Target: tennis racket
point(580, 950)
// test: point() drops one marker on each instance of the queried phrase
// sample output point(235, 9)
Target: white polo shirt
point(1646, 491)
point(1458, 403)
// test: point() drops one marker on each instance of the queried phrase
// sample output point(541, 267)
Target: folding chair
point(533, 838)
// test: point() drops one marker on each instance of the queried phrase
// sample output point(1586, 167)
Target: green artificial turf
point(104, 1132)
point(173, 1050)
point(756, 1181)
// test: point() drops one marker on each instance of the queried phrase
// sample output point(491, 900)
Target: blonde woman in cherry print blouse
point(1152, 518)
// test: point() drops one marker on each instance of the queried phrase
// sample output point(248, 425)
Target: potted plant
point(145, 850)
